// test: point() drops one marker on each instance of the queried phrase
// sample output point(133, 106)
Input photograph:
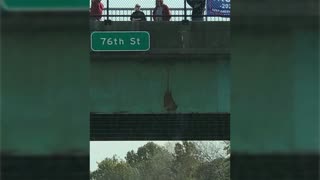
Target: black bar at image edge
point(275, 166)
point(55, 167)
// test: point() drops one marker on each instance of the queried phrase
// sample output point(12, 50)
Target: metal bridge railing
point(123, 14)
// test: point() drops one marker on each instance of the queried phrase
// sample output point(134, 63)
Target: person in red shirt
point(161, 12)
point(96, 9)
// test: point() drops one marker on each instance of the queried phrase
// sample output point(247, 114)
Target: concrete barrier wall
point(196, 54)
point(139, 86)
point(178, 38)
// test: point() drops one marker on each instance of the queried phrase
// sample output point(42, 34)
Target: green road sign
point(120, 41)
point(45, 4)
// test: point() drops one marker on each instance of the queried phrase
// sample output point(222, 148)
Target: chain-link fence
point(116, 10)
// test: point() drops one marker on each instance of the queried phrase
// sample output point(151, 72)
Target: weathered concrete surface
point(44, 84)
point(196, 54)
point(275, 80)
point(175, 38)
point(275, 90)
point(139, 86)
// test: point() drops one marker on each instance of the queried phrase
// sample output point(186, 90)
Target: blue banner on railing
point(219, 7)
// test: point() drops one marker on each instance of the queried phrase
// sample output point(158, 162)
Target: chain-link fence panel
point(200, 10)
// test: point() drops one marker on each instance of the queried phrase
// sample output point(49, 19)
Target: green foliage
point(144, 153)
point(217, 169)
point(186, 160)
point(152, 162)
point(189, 161)
point(114, 169)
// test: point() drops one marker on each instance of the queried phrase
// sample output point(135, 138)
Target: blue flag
point(219, 7)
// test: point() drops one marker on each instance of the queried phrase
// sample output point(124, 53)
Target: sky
point(99, 150)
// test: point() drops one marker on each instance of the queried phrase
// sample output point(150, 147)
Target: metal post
point(185, 21)
point(185, 10)
point(107, 9)
point(108, 21)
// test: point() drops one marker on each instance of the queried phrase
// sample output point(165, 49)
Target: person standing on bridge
point(137, 15)
point(198, 7)
point(96, 10)
point(161, 12)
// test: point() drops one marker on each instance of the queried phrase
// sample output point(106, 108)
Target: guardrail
point(178, 14)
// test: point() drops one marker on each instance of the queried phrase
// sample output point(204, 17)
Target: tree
point(144, 153)
point(186, 160)
point(114, 169)
point(152, 161)
point(215, 161)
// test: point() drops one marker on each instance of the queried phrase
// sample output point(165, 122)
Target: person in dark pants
point(197, 9)
point(137, 15)
point(161, 12)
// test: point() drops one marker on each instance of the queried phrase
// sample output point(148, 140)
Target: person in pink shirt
point(96, 9)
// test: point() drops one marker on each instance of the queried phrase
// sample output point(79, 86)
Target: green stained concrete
point(177, 38)
point(47, 91)
point(46, 96)
point(138, 86)
point(275, 90)
point(198, 61)
point(306, 90)
point(44, 91)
